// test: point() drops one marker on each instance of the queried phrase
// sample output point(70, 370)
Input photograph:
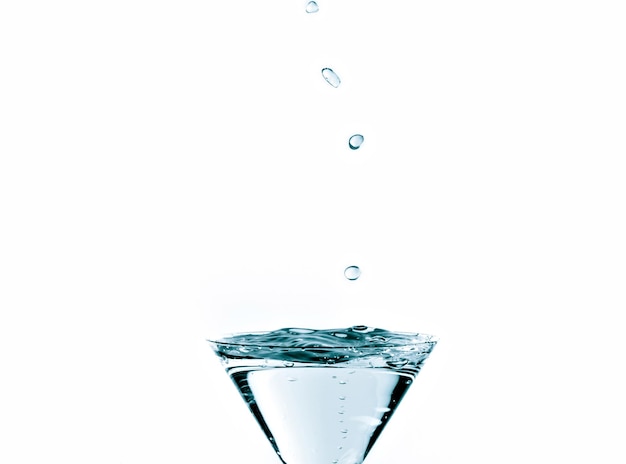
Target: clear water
point(331, 77)
point(312, 7)
point(356, 141)
point(323, 396)
point(352, 272)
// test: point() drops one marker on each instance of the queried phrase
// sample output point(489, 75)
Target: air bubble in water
point(397, 362)
point(362, 329)
point(331, 77)
point(312, 7)
point(356, 141)
point(352, 272)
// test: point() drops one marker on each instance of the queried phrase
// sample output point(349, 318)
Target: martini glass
point(323, 396)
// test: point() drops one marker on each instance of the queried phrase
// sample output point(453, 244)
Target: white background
point(168, 168)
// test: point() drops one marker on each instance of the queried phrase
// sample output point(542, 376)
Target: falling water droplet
point(362, 329)
point(312, 7)
point(356, 141)
point(288, 364)
point(331, 77)
point(352, 272)
point(291, 379)
point(342, 382)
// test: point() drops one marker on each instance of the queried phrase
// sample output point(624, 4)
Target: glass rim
point(418, 339)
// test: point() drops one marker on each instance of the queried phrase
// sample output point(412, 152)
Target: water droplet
point(288, 364)
point(339, 412)
point(356, 141)
point(352, 273)
point(362, 328)
point(342, 398)
point(312, 7)
point(331, 77)
point(408, 382)
point(342, 382)
point(344, 430)
point(333, 377)
point(291, 379)
point(340, 334)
